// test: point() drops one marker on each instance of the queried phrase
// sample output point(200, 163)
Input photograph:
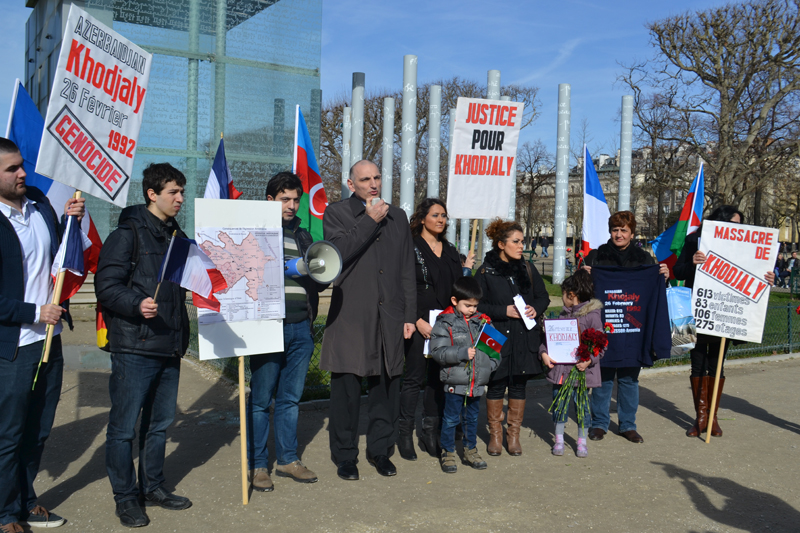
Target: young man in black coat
point(147, 340)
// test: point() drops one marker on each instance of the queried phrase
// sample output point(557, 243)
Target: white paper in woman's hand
point(520, 304)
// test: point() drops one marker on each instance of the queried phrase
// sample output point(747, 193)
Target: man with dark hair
point(373, 308)
point(29, 239)
point(282, 375)
point(146, 339)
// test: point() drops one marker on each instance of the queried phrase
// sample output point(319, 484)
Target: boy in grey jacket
point(465, 371)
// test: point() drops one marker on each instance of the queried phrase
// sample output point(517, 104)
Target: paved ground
point(744, 481)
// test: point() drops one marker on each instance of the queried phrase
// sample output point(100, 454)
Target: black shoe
point(405, 440)
point(429, 438)
point(347, 470)
point(167, 500)
point(130, 514)
point(383, 465)
point(596, 434)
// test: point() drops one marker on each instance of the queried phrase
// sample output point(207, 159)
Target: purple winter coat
point(589, 315)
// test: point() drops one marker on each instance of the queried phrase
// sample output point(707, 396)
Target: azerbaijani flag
point(595, 208)
point(25, 127)
point(188, 266)
point(669, 244)
point(490, 341)
point(220, 182)
point(314, 200)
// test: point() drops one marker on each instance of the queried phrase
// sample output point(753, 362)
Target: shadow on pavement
point(743, 508)
point(744, 407)
point(663, 407)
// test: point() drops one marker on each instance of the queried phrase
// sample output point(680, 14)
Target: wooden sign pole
point(243, 430)
point(474, 234)
point(714, 398)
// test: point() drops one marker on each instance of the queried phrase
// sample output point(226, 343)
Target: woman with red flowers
point(577, 293)
point(705, 354)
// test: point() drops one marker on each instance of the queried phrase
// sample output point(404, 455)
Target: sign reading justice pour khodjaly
point(482, 159)
point(95, 110)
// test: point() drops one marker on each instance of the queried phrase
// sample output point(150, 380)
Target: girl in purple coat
point(576, 293)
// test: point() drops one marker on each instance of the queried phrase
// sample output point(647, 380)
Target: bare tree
point(731, 74)
point(535, 171)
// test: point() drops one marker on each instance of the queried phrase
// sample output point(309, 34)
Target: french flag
point(72, 257)
point(25, 127)
point(595, 208)
point(220, 182)
point(188, 266)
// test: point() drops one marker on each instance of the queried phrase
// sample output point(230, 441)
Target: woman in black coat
point(437, 266)
point(502, 276)
point(705, 354)
point(618, 251)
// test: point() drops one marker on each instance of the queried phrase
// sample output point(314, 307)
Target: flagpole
point(59, 286)
point(714, 398)
point(13, 107)
point(296, 129)
point(243, 431)
point(164, 266)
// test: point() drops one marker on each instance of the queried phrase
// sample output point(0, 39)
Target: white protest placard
point(243, 250)
point(730, 294)
point(433, 314)
point(563, 340)
point(482, 158)
point(95, 109)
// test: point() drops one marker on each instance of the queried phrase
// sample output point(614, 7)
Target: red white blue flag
point(188, 266)
point(595, 208)
point(220, 182)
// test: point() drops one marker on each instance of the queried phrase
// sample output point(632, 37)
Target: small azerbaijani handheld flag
point(188, 266)
point(490, 341)
point(220, 182)
point(669, 244)
point(595, 208)
point(314, 200)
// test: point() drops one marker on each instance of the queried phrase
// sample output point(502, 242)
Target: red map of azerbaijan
point(236, 261)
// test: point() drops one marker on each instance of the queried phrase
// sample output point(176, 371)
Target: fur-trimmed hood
point(584, 308)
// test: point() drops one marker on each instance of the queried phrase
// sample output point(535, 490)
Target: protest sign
point(482, 158)
point(563, 340)
point(95, 109)
point(730, 294)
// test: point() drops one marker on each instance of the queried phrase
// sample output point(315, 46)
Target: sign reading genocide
point(730, 295)
point(482, 159)
point(95, 110)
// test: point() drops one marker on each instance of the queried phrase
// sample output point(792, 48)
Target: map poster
point(730, 294)
point(244, 239)
point(563, 340)
point(251, 261)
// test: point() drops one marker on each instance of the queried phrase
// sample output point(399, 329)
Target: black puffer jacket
point(500, 282)
point(128, 331)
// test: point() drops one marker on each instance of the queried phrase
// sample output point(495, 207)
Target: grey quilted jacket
point(451, 338)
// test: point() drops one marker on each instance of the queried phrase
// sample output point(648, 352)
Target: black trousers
point(705, 355)
point(516, 386)
point(345, 407)
point(417, 368)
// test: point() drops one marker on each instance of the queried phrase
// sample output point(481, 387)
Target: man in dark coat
point(147, 340)
point(29, 239)
point(373, 309)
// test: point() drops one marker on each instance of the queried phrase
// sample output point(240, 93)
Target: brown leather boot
point(716, 431)
point(494, 414)
point(700, 407)
point(516, 410)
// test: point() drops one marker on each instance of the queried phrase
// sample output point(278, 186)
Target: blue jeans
point(544, 251)
point(281, 376)
point(147, 385)
point(627, 398)
point(26, 420)
point(556, 419)
point(454, 412)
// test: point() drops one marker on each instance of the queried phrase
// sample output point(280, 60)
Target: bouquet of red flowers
point(592, 343)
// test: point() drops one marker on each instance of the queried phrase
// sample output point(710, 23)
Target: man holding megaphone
point(282, 375)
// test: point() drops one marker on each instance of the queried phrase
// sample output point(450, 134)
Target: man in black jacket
point(147, 340)
point(282, 375)
point(29, 239)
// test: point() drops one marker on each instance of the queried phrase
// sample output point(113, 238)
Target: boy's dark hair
point(466, 288)
point(157, 175)
point(580, 284)
point(8, 146)
point(284, 181)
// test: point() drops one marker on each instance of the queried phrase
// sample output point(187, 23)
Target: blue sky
point(538, 43)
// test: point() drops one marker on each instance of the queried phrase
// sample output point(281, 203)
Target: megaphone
point(322, 263)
